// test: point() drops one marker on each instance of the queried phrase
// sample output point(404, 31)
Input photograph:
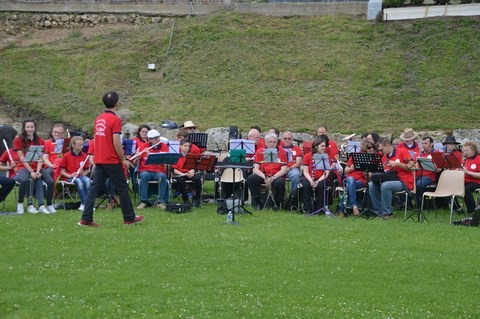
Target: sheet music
point(34, 153)
point(270, 155)
point(173, 146)
point(58, 149)
point(426, 164)
point(247, 145)
point(321, 162)
point(353, 147)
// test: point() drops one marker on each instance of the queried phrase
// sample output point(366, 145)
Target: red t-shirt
point(357, 175)
point(414, 150)
point(332, 149)
point(18, 146)
point(292, 153)
point(270, 169)
point(473, 165)
point(139, 143)
point(432, 175)
point(71, 162)
point(161, 148)
point(194, 149)
point(105, 126)
point(310, 165)
point(179, 165)
point(5, 158)
point(403, 156)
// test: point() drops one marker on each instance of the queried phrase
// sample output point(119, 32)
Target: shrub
point(393, 3)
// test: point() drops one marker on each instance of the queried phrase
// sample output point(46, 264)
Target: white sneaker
point(32, 210)
point(20, 209)
point(42, 209)
point(51, 209)
point(82, 207)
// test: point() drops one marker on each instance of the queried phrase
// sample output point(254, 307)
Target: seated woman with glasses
point(354, 180)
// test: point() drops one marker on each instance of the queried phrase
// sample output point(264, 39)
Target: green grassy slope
point(294, 73)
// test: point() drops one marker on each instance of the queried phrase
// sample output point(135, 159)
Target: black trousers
point(7, 185)
point(181, 186)
point(468, 199)
point(278, 187)
point(117, 177)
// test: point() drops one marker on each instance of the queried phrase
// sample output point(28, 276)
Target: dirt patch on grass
point(44, 36)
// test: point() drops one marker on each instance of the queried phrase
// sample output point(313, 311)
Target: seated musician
point(152, 172)
point(8, 164)
point(295, 160)
point(397, 159)
point(268, 173)
point(424, 178)
point(332, 147)
point(51, 164)
point(141, 137)
point(255, 136)
point(75, 167)
point(316, 180)
point(194, 149)
point(408, 142)
point(354, 180)
point(472, 173)
point(184, 174)
point(451, 146)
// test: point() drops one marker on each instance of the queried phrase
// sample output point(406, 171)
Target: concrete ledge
point(140, 8)
point(303, 9)
point(392, 14)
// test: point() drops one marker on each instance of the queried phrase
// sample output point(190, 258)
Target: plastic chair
point(450, 184)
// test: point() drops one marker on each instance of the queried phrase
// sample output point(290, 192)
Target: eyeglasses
point(189, 128)
point(57, 132)
point(287, 138)
point(370, 148)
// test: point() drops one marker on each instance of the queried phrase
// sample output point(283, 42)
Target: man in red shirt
point(108, 163)
point(269, 173)
point(425, 178)
point(397, 159)
point(294, 160)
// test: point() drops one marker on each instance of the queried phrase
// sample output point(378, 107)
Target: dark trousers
point(469, 200)
point(320, 196)
point(181, 186)
point(23, 177)
point(117, 177)
point(278, 188)
point(7, 185)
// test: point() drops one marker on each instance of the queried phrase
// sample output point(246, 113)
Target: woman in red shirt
point(471, 168)
point(32, 171)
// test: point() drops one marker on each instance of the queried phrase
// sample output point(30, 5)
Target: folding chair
point(451, 183)
point(65, 190)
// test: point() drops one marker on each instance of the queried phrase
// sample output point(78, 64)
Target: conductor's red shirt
point(106, 125)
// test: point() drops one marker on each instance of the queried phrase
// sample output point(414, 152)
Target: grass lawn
point(274, 265)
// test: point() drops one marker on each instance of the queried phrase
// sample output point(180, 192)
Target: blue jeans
point(294, 177)
point(381, 195)
point(83, 187)
point(422, 182)
point(352, 186)
point(145, 177)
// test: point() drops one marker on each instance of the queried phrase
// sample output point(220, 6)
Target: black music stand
point(353, 147)
point(440, 161)
point(322, 163)
point(270, 155)
point(199, 139)
point(159, 159)
point(247, 145)
point(368, 163)
point(452, 160)
point(425, 164)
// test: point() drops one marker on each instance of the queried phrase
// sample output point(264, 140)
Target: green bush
point(393, 3)
point(442, 2)
point(416, 2)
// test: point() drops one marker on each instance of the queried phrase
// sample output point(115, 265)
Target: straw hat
point(153, 134)
point(188, 124)
point(450, 140)
point(408, 134)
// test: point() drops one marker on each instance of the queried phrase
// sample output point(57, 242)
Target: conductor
point(108, 163)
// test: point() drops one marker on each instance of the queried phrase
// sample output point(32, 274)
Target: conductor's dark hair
point(110, 99)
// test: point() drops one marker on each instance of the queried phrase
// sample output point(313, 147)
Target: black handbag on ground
point(391, 175)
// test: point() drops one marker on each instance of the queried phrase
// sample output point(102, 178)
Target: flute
point(8, 151)
point(145, 150)
point(82, 164)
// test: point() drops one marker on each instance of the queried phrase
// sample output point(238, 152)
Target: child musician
point(183, 174)
point(74, 169)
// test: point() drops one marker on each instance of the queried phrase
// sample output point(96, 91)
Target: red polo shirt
point(18, 146)
point(403, 156)
point(71, 162)
point(292, 153)
point(105, 126)
point(161, 148)
point(414, 149)
point(179, 165)
point(432, 175)
point(270, 169)
point(6, 158)
point(473, 165)
point(310, 163)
